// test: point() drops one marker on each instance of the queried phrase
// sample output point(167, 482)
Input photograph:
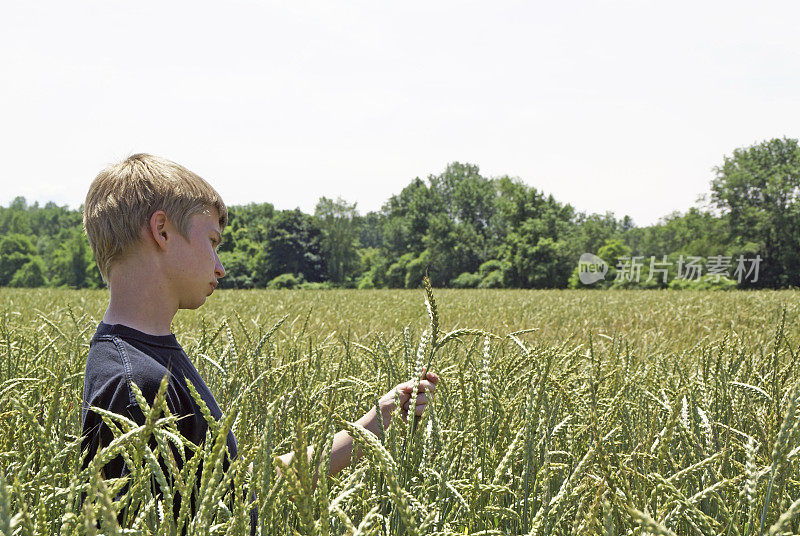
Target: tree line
point(469, 231)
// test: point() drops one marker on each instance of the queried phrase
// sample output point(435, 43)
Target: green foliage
point(491, 266)
point(492, 280)
point(592, 231)
point(704, 283)
point(407, 217)
point(454, 223)
point(396, 273)
point(416, 270)
point(693, 233)
point(339, 241)
point(758, 187)
point(237, 266)
point(30, 275)
point(535, 261)
point(612, 251)
point(466, 280)
point(451, 248)
point(366, 281)
point(292, 245)
point(374, 265)
point(73, 264)
point(370, 230)
point(315, 285)
point(16, 250)
point(284, 281)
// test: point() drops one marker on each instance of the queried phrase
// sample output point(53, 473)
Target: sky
point(620, 106)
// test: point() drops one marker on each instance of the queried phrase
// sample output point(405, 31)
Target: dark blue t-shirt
point(119, 356)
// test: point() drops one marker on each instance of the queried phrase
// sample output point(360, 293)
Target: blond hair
point(123, 196)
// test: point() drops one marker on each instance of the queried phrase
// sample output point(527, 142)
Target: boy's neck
point(139, 300)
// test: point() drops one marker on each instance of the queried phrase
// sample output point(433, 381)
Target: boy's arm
point(342, 449)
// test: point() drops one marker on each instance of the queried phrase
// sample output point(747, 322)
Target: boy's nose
point(219, 270)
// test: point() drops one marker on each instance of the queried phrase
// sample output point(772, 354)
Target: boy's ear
point(158, 228)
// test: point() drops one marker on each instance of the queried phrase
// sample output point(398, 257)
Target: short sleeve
point(107, 385)
point(112, 394)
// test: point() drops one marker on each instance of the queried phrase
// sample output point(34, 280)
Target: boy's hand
point(424, 391)
point(342, 450)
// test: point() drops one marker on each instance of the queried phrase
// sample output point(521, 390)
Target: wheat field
point(557, 412)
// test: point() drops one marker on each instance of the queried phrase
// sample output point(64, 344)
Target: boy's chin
point(193, 304)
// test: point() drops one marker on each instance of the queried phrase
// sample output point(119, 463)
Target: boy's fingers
point(426, 385)
point(407, 387)
point(404, 390)
point(432, 376)
point(419, 410)
point(421, 399)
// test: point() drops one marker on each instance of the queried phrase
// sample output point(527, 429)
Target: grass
point(629, 412)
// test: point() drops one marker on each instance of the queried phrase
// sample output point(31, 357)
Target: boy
point(154, 227)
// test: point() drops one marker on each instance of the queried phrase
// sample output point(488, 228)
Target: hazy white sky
point(609, 105)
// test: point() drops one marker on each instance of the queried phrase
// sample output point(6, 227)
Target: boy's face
point(194, 264)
